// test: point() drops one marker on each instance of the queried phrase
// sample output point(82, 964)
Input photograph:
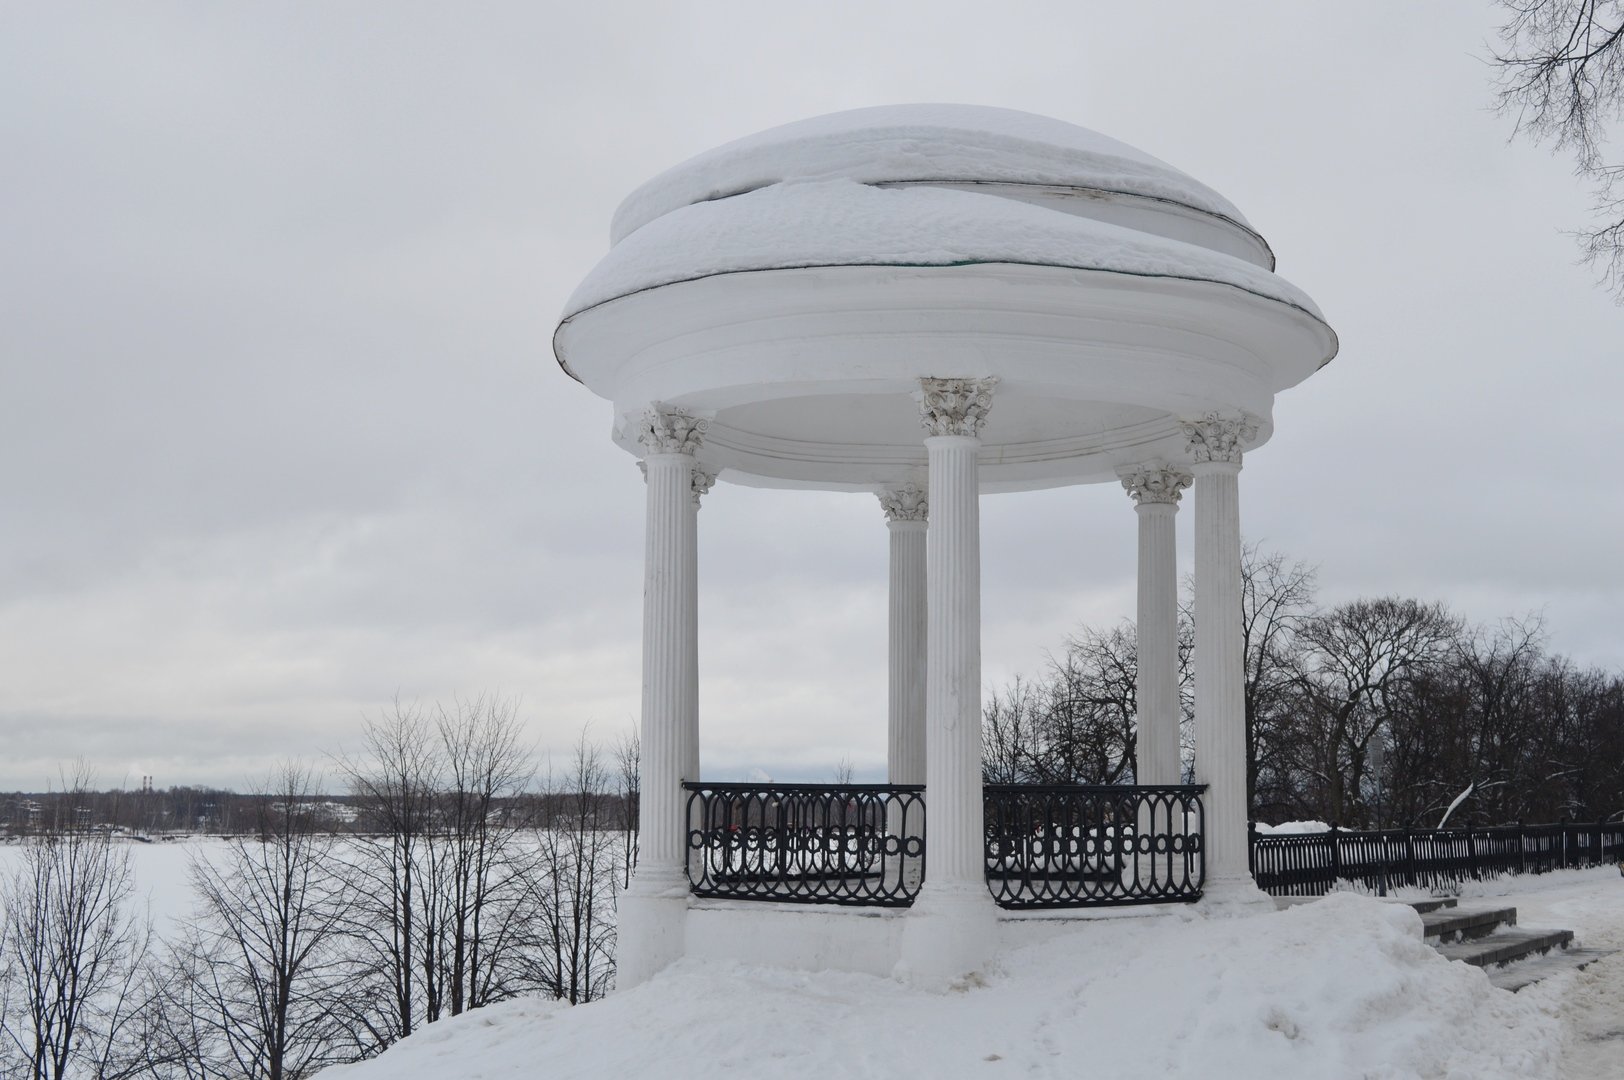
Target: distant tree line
point(455, 877)
point(1378, 712)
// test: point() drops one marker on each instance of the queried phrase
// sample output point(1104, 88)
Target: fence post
point(1522, 848)
point(1596, 855)
point(1471, 854)
point(1251, 848)
point(1566, 854)
point(1409, 855)
point(1336, 855)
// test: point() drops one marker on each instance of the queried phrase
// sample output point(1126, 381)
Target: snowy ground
point(1589, 1003)
point(1339, 988)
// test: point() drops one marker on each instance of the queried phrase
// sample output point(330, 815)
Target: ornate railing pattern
point(1076, 845)
point(1310, 864)
point(807, 843)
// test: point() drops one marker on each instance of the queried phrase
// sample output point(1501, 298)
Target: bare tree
point(572, 881)
point(1561, 72)
point(1076, 724)
point(1355, 663)
point(487, 766)
point(394, 783)
point(1277, 597)
point(74, 952)
point(628, 753)
point(266, 977)
point(436, 867)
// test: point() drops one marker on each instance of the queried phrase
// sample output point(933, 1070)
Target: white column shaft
point(689, 725)
point(1220, 722)
point(670, 660)
point(905, 757)
point(1158, 625)
point(954, 856)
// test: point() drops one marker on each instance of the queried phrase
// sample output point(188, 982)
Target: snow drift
point(1342, 988)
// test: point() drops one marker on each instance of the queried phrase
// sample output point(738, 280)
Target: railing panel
point(858, 844)
point(1309, 864)
point(1078, 845)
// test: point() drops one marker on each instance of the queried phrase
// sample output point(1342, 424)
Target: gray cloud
point(280, 434)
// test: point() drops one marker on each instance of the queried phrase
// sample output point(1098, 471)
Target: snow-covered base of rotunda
point(1344, 988)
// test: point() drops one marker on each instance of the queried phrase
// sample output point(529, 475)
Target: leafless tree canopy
point(1561, 73)
point(324, 927)
point(1377, 711)
point(260, 989)
point(1075, 725)
point(72, 956)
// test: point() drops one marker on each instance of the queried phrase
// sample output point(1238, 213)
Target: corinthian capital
point(955, 406)
point(668, 430)
point(1155, 482)
point(906, 503)
point(1220, 438)
point(703, 479)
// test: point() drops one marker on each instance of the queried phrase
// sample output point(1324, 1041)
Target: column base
point(1234, 896)
point(950, 936)
point(651, 926)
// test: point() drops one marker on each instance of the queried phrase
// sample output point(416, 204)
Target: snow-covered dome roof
point(840, 222)
point(794, 286)
point(927, 185)
point(921, 144)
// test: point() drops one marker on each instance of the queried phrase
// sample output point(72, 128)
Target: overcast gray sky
point(281, 436)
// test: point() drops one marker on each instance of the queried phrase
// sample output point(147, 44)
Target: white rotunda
point(930, 303)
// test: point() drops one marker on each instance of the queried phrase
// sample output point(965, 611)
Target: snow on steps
point(1489, 938)
point(1452, 924)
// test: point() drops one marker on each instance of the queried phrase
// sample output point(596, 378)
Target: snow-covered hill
point(1340, 988)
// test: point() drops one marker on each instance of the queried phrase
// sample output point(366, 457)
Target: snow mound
point(842, 222)
point(919, 143)
point(1342, 989)
point(1287, 828)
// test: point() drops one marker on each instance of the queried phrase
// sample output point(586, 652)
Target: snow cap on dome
point(919, 144)
point(842, 223)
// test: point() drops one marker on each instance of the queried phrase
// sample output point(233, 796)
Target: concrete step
point(1427, 906)
point(1505, 946)
point(1523, 973)
point(1461, 924)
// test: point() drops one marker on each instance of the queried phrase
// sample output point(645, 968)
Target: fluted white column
point(905, 514)
point(954, 411)
point(952, 927)
point(651, 914)
point(703, 479)
point(670, 738)
point(1216, 443)
point(1155, 489)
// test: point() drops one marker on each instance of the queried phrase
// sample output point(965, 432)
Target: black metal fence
point(1309, 864)
point(807, 843)
point(1076, 845)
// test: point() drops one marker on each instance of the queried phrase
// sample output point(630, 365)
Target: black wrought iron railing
point(1310, 864)
point(1078, 845)
point(807, 843)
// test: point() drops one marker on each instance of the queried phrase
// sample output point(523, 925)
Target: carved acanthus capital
point(1155, 482)
point(699, 483)
point(1220, 438)
point(906, 503)
point(955, 406)
point(703, 479)
point(665, 429)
